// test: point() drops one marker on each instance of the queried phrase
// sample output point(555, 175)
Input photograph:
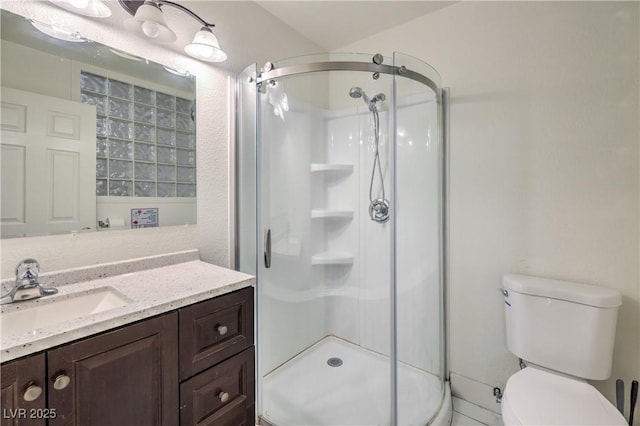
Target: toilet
point(564, 332)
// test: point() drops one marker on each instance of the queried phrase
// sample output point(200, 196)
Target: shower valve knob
point(379, 210)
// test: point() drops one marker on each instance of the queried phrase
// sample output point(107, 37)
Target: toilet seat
point(536, 397)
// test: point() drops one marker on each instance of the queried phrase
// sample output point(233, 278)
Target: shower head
point(357, 92)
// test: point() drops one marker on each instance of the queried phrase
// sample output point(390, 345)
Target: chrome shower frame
point(275, 73)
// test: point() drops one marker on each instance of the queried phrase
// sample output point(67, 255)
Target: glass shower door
point(323, 290)
point(420, 359)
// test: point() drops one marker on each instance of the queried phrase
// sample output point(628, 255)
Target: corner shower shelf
point(322, 167)
point(331, 214)
point(332, 258)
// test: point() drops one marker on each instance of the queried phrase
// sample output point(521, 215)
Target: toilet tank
point(564, 326)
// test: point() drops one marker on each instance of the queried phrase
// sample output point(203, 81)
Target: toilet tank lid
point(585, 294)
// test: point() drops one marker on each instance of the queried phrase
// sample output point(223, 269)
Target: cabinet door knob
point(223, 396)
point(222, 330)
point(32, 393)
point(61, 381)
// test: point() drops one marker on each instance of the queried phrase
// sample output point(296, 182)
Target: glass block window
point(145, 141)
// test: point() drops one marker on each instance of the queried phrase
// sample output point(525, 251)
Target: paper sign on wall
point(144, 218)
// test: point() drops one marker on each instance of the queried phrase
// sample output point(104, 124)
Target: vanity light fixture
point(92, 8)
point(148, 20)
point(60, 34)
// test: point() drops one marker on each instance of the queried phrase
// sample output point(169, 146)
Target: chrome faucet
point(27, 286)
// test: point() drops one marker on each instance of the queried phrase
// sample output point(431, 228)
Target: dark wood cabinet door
point(223, 395)
point(128, 376)
point(24, 392)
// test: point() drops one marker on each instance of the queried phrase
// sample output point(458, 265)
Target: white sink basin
point(49, 311)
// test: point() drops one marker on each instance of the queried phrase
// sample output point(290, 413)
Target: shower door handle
point(267, 248)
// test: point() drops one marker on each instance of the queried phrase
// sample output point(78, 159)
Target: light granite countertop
point(149, 292)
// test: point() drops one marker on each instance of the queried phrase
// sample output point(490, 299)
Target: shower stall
point(340, 215)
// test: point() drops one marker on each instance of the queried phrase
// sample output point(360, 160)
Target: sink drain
point(334, 362)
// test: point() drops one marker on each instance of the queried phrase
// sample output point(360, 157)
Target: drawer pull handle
point(61, 381)
point(222, 330)
point(32, 392)
point(223, 396)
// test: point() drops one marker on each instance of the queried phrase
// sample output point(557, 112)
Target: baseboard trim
point(475, 392)
point(476, 412)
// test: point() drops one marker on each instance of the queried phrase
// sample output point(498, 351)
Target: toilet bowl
point(565, 332)
point(537, 397)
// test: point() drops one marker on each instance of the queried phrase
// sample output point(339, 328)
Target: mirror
point(92, 138)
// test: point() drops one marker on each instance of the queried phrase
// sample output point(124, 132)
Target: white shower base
point(307, 391)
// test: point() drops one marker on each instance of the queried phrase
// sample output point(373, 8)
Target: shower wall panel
point(341, 189)
point(359, 308)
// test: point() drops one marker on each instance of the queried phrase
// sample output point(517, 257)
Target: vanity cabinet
point(126, 376)
point(23, 396)
point(192, 366)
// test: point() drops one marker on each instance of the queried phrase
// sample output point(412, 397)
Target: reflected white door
point(48, 164)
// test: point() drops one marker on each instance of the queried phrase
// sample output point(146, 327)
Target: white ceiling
point(334, 24)
point(260, 31)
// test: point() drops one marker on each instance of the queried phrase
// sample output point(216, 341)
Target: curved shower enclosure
point(340, 165)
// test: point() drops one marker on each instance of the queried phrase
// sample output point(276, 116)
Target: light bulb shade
point(149, 21)
point(205, 47)
point(92, 8)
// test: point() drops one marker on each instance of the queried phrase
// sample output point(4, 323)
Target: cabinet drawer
point(222, 395)
point(215, 330)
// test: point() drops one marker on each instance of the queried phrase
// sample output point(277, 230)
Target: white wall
point(544, 160)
